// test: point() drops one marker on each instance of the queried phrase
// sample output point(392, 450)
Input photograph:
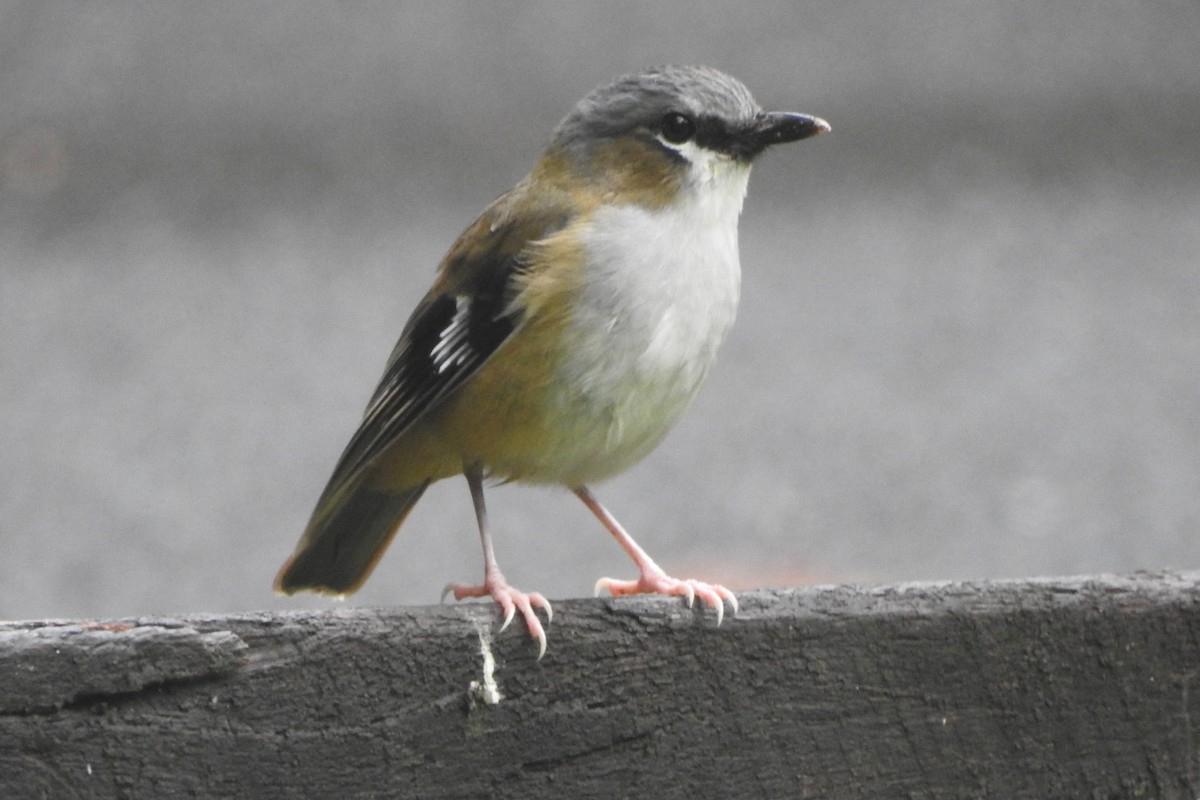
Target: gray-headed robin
point(569, 327)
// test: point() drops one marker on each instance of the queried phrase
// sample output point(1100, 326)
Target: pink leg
point(652, 579)
point(494, 585)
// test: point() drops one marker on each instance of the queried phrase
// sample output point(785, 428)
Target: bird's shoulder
point(483, 272)
point(462, 320)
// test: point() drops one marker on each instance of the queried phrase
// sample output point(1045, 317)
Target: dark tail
point(346, 538)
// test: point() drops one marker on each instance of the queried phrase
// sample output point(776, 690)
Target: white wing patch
point(452, 349)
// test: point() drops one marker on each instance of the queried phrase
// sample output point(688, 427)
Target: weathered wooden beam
point(1041, 689)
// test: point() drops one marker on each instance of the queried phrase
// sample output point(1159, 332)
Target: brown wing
point(465, 317)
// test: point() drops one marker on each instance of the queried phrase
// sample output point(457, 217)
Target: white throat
point(717, 181)
point(666, 281)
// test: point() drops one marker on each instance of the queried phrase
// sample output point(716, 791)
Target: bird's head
point(657, 136)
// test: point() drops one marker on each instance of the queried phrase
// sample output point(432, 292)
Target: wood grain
point(1080, 687)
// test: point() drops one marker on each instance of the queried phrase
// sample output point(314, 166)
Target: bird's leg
point(652, 579)
point(494, 585)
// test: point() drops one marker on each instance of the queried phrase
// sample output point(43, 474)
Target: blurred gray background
point(969, 344)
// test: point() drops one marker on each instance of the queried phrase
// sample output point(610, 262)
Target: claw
point(535, 626)
point(712, 595)
point(510, 611)
point(651, 578)
point(510, 601)
point(729, 597)
point(540, 635)
point(494, 585)
point(719, 605)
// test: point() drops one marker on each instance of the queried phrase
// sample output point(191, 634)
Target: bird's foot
point(658, 582)
point(510, 601)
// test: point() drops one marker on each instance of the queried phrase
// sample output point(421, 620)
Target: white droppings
point(486, 691)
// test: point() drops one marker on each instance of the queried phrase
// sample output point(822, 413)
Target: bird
point(567, 329)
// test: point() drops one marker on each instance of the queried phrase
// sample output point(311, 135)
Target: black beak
point(777, 127)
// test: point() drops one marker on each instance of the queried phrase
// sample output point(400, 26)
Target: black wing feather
point(447, 339)
point(449, 336)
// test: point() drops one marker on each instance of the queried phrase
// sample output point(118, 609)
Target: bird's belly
point(588, 420)
point(643, 332)
point(592, 382)
point(600, 433)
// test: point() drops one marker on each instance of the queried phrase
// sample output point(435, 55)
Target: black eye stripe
point(713, 134)
point(709, 132)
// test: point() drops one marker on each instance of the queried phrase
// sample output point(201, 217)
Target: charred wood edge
point(49, 665)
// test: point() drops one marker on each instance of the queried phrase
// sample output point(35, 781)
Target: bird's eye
point(677, 128)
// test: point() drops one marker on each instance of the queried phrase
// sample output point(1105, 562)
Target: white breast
point(661, 291)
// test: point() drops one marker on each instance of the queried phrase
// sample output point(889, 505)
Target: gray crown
point(638, 102)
